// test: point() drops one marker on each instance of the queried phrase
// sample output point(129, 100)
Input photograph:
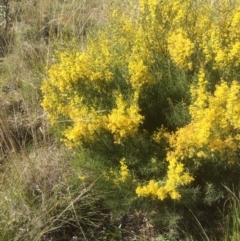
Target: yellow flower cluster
point(124, 171)
point(214, 124)
point(220, 42)
point(120, 176)
point(124, 119)
point(180, 48)
point(139, 73)
point(58, 87)
point(175, 177)
point(85, 127)
point(151, 189)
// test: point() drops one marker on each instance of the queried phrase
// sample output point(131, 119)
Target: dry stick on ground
point(83, 193)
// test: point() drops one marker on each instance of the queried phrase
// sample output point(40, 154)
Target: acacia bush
point(158, 85)
point(109, 94)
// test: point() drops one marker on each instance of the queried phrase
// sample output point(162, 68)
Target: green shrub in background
point(157, 87)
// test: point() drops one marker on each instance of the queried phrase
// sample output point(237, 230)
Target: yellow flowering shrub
point(118, 92)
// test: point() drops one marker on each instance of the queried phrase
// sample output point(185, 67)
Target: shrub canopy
point(158, 84)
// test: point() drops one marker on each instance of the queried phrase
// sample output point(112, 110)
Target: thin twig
point(200, 225)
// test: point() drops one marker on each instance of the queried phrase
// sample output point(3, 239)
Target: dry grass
point(41, 195)
point(37, 29)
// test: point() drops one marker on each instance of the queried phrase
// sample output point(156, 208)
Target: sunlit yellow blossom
point(180, 48)
point(124, 119)
point(124, 172)
point(82, 178)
